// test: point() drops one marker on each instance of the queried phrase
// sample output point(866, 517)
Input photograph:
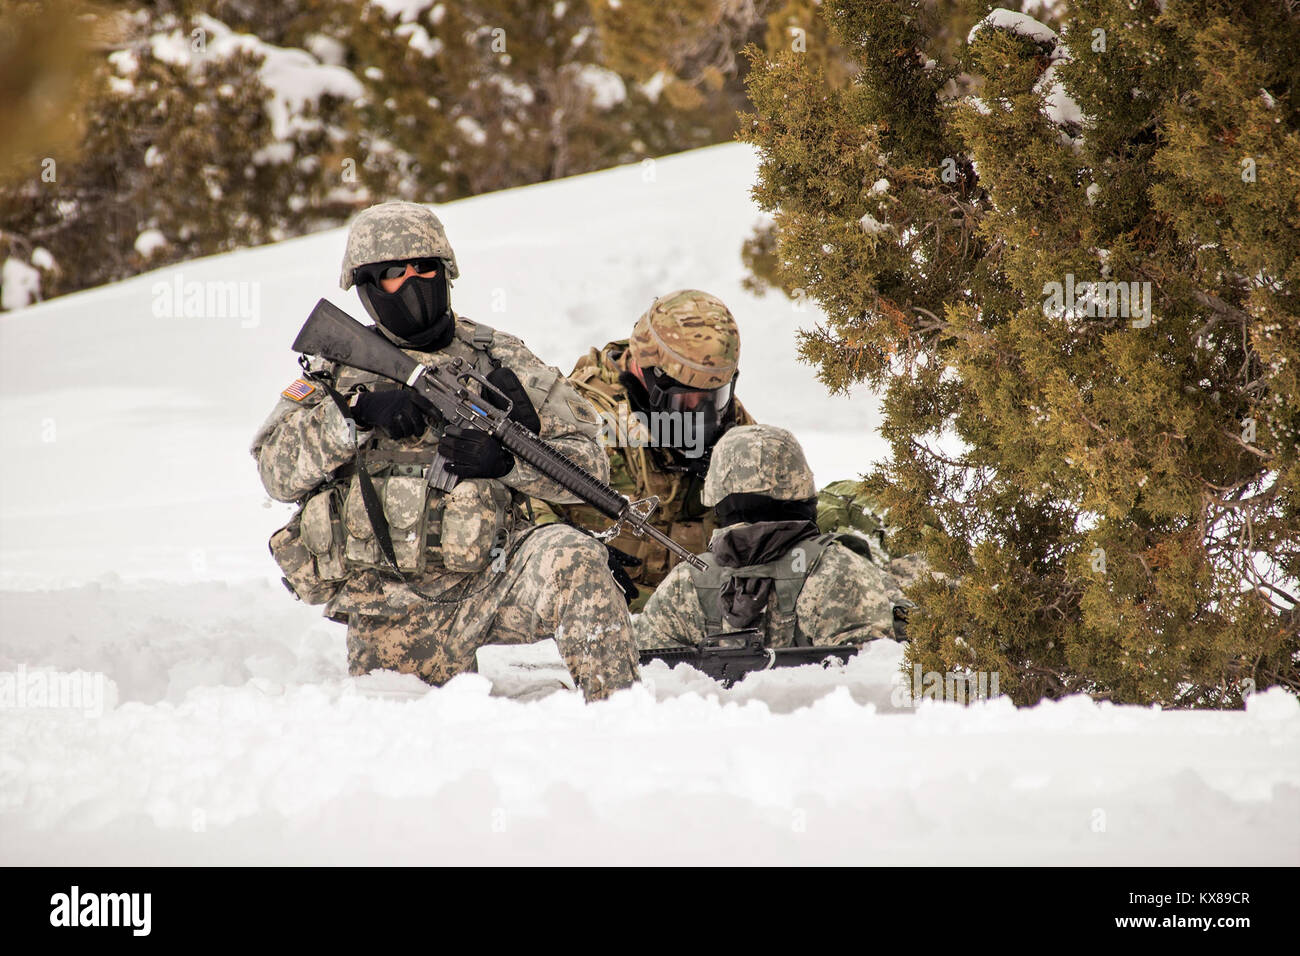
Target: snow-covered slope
point(216, 722)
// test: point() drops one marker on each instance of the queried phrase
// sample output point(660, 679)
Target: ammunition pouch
point(413, 516)
point(307, 553)
point(456, 530)
point(477, 519)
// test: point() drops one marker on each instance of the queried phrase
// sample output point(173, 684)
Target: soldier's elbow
point(275, 485)
point(597, 460)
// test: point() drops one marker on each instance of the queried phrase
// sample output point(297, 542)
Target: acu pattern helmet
point(760, 460)
point(395, 230)
point(690, 336)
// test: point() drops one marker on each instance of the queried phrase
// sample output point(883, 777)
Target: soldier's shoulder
point(308, 388)
point(478, 334)
point(597, 373)
point(675, 594)
point(843, 556)
point(613, 352)
point(508, 349)
point(607, 361)
point(676, 582)
point(840, 576)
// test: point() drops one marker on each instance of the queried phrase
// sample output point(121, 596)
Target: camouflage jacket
point(842, 597)
point(306, 453)
point(637, 472)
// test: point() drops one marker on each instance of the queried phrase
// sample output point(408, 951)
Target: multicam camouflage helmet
point(760, 460)
point(691, 336)
point(395, 230)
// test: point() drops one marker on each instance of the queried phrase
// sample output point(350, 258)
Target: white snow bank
point(20, 284)
point(383, 770)
point(605, 87)
point(1021, 23)
point(294, 78)
point(228, 732)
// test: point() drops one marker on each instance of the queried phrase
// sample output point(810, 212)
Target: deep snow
point(218, 723)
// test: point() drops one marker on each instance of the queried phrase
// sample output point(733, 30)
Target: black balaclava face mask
point(418, 314)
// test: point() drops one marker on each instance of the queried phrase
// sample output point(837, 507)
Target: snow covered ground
point(208, 718)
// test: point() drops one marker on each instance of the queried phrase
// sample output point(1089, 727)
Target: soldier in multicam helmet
point(768, 565)
point(666, 395)
point(427, 565)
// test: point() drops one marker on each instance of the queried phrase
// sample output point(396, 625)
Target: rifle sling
point(369, 497)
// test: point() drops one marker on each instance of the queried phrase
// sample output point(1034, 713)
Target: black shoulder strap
point(479, 337)
point(369, 497)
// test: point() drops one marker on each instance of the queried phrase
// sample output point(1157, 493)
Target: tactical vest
point(780, 620)
point(428, 528)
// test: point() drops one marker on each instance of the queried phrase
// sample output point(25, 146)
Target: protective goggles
point(372, 272)
point(668, 394)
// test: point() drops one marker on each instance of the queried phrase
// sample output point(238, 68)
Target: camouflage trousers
point(554, 583)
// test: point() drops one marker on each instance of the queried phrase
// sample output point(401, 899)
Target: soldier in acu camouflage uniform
point(677, 370)
point(769, 566)
point(470, 568)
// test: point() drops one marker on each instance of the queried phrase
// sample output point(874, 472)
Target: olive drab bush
point(178, 128)
point(1069, 253)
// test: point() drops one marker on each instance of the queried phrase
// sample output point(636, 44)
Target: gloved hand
point(521, 410)
point(398, 413)
point(473, 453)
point(619, 562)
point(900, 622)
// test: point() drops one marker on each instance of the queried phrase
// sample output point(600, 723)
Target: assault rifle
point(331, 333)
point(729, 656)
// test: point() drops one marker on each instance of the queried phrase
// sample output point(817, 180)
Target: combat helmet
point(417, 314)
point(395, 230)
point(690, 336)
point(758, 460)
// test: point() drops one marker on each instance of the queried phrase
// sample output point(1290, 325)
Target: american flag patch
point(299, 390)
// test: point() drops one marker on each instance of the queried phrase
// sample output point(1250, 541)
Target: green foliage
point(435, 102)
point(184, 149)
point(43, 74)
point(1111, 501)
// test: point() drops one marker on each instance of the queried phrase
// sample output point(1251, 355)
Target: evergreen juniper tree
point(1068, 253)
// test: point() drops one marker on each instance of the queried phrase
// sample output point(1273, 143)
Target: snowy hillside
point(216, 722)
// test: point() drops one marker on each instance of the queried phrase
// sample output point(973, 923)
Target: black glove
point(900, 623)
point(521, 410)
point(619, 562)
point(473, 453)
point(398, 413)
